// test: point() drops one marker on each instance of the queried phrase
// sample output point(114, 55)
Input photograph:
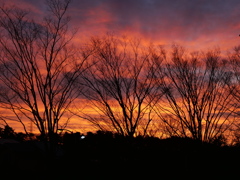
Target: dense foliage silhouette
point(105, 155)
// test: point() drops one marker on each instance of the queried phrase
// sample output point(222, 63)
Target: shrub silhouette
point(105, 155)
point(112, 156)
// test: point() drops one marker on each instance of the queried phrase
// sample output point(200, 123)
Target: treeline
point(108, 155)
point(147, 91)
point(117, 84)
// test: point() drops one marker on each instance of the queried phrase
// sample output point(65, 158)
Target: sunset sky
point(195, 24)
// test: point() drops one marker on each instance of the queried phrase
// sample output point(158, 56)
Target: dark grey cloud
point(173, 20)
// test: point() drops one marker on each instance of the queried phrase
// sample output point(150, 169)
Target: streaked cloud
point(197, 24)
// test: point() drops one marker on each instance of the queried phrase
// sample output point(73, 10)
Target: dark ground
point(107, 156)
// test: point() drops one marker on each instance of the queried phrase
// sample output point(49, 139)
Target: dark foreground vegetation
point(104, 155)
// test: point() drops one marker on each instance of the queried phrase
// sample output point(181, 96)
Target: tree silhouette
point(38, 66)
point(7, 132)
point(120, 85)
point(197, 102)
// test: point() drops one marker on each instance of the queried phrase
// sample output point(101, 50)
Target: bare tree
point(197, 102)
point(120, 85)
point(38, 66)
point(234, 85)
